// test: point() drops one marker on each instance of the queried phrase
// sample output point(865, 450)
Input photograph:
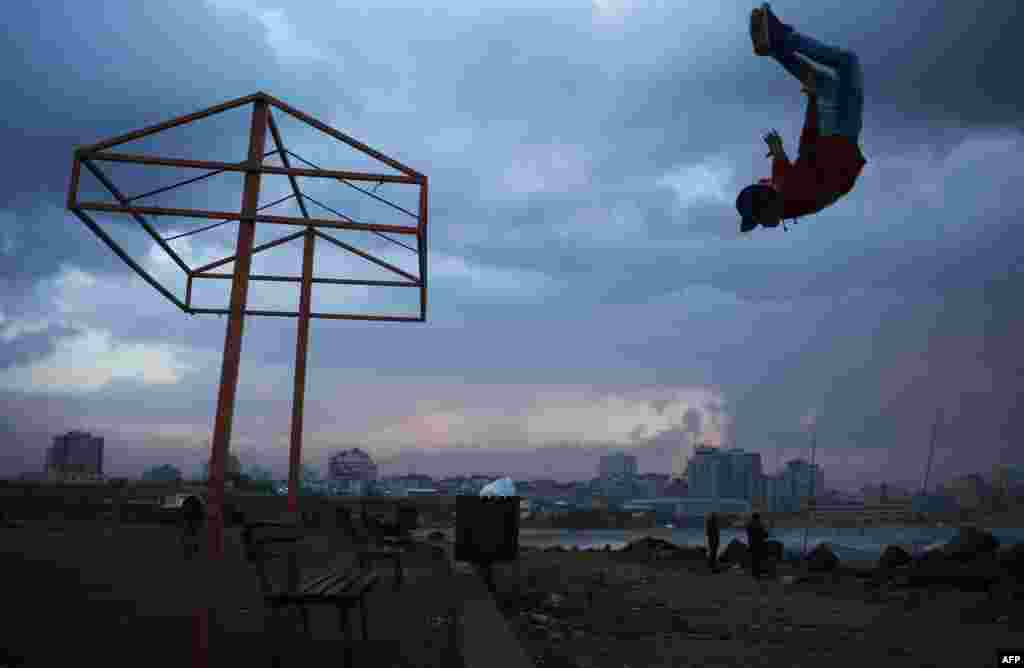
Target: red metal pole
point(301, 348)
point(421, 247)
point(229, 369)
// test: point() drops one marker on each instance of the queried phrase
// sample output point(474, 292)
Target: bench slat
point(330, 582)
point(353, 587)
point(311, 584)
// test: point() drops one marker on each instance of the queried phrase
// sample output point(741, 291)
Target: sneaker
point(759, 32)
point(774, 29)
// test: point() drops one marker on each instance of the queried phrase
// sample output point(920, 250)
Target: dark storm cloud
point(31, 346)
point(933, 70)
point(87, 72)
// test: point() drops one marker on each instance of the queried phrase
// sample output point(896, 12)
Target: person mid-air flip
point(830, 159)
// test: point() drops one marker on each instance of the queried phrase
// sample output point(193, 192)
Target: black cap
point(749, 200)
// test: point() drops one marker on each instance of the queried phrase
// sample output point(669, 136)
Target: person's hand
point(810, 83)
point(774, 142)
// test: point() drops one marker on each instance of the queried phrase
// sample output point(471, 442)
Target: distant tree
point(310, 481)
point(257, 479)
point(259, 473)
point(232, 468)
point(162, 473)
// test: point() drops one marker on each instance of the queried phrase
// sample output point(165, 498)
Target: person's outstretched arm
point(780, 161)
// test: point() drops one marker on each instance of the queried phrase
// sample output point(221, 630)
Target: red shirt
point(825, 170)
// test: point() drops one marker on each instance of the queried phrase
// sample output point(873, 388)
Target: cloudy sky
point(589, 289)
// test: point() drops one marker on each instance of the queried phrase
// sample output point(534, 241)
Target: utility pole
point(810, 500)
point(931, 451)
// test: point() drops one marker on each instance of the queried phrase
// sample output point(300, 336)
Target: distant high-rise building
point(351, 465)
point(732, 474)
point(618, 463)
point(778, 494)
point(75, 456)
point(677, 487)
point(651, 485)
point(745, 474)
point(804, 479)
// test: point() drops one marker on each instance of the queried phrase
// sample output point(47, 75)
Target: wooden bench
point(373, 544)
point(342, 588)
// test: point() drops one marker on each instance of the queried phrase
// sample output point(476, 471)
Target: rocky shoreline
point(653, 603)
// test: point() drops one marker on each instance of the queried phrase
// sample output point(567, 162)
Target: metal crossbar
point(343, 216)
point(188, 181)
point(224, 222)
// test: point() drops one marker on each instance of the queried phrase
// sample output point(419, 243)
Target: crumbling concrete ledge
point(482, 635)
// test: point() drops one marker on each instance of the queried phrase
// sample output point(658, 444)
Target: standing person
point(192, 519)
point(830, 159)
point(714, 536)
point(756, 536)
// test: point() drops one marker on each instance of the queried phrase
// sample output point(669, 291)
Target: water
point(849, 544)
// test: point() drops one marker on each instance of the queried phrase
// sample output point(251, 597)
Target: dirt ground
point(601, 610)
point(82, 595)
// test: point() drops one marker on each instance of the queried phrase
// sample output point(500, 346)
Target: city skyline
point(588, 286)
point(602, 456)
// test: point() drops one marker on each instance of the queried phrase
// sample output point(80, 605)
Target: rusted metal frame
point(76, 175)
point(421, 244)
point(201, 229)
point(284, 160)
point(255, 249)
point(327, 281)
point(367, 256)
point(92, 225)
point(223, 222)
point(173, 123)
point(340, 136)
point(233, 335)
point(188, 181)
point(259, 218)
point(323, 316)
point(119, 196)
point(301, 350)
point(341, 215)
point(234, 167)
point(365, 192)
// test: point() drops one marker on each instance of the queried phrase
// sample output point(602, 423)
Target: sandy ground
point(680, 614)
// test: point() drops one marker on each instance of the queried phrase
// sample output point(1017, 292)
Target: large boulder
point(651, 548)
point(971, 543)
point(822, 559)
point(936, 558)
point(773, 550)
point(894, 556)
point(736, 552)
point(649, 544)
point(1011, 558)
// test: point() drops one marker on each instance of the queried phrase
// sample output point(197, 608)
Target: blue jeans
point(840, 95)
